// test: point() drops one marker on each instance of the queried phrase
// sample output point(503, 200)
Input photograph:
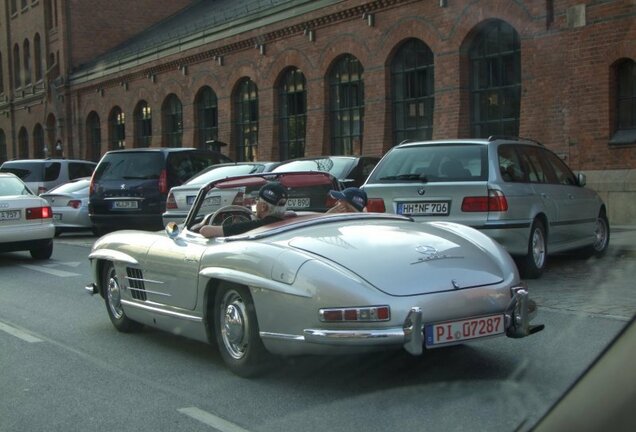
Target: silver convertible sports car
point(312, 283)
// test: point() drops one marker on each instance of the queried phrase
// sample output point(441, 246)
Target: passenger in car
point(270, 207)
point(350, 200)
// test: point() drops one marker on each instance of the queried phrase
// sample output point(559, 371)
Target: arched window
point(17, 70)
point(412, 82)
point(39, 147)
point(14, 6)
point(207, 120)
point(246, 108)
point(495, 80)
point(292, 95)
point(37, 57)
point(172, 111)
point(625, 123)
point(117, 126)
point(93, 136)
point(3, 147)
point(23, 144)
point(143, 124)
point(26, 53)
point(346, 99)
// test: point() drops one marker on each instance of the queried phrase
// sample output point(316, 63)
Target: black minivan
point(129, 187)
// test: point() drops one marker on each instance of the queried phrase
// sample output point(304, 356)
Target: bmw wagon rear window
point(433, 163)
point(130, 166)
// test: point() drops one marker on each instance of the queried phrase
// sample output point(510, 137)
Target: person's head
point(272, 200)
point(354, 199)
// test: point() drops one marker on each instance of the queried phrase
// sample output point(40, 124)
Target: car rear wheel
point(43, 252)
point(112, 296)
point(532, 265)
point(237, 332)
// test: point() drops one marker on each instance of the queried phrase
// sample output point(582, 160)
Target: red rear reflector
point(350, 315)
point(494, 202)
point(332, 315)
point(39, 213)
point(171, 203)
point(74, 203)
point(163, 182)
point(375, 205)
point(383, 313)
point(475, 204)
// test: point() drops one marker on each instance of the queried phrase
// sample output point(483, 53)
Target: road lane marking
point(211, 420)
point(19, 333)
point(54, 272)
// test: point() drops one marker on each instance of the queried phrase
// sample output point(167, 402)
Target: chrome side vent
point(136, 283)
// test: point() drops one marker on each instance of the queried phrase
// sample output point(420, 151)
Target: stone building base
point(618, 190)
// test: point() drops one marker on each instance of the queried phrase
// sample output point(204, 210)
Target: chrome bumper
point(518, 314)
point(91, 288)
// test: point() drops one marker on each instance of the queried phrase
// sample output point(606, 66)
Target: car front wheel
point(112, 296)
point(237, 332)
point(601, 237)
point(532, 265)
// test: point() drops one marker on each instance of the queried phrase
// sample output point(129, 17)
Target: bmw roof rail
point(512, 138)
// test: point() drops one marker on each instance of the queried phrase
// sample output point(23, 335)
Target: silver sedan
point(69, 203)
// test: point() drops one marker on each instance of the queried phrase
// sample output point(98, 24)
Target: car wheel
point(532, 265)
point(601, 237)
point(112, 296)
point(237, 331)
point(58, 232)
point(43, 252)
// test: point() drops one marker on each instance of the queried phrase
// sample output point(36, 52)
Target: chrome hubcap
point(234, 324)
point(538, 248)
point(114, 297)
point(600, 234)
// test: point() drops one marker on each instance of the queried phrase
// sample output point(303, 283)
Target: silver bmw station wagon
point(515, 190)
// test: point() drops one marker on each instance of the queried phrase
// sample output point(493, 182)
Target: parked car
point(313, 283)
point(40, 175)
point(129, 187)
point(180, 198)
point(515, 190)
point(25, 219)
point(349, 170)
point(69, 203)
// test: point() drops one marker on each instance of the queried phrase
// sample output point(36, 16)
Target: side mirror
point(172, 229)
point(581, 179)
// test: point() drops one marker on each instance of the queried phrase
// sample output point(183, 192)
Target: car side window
point(562, 174)
point(52, 171)
point(79, 169)
point(510, 165)
point(532, 163)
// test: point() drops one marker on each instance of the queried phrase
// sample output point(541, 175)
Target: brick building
point(284, 78)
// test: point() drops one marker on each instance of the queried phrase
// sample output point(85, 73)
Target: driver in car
point(270, 207)
point(350, 200)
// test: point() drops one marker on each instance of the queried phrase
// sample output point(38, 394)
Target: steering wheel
point(230, 214)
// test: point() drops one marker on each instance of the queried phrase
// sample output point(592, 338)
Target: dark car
point(129, 187)
point(349, 170)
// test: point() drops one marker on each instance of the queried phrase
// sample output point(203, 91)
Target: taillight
point(39, 213)
point(171, 203)
point(41, 190)
point(163, 182)
point(375, 205)
point(372, 313)
point(494, 202)
point(74, 203)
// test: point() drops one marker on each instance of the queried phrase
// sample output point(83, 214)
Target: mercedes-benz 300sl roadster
point(311, 283)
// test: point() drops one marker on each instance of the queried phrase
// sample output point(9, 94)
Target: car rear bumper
point(127, 220)
point(26, 234)
point(24, 245)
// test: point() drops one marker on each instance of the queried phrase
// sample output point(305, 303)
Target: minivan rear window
point(129, 166)
point(433, 163)
point(33, 171)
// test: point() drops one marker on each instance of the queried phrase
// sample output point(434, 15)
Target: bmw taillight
point(39, 213)
point(495, 202)
point(171, 203)
point(375, 205)
point(163, 182)
point(360, 314)
point(74, 203)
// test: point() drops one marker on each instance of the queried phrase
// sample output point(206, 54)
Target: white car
point(26, 220)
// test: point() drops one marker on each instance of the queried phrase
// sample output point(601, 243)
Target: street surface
point(63, 366)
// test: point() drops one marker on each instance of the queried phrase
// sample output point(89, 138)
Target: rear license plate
point(125, 204)
point(298, 203)
point(9, 214)
point(457, 331)
point(190, 199)
point(57, 216)
point(426, 208)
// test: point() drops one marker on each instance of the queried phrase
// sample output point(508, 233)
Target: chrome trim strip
point(144, 280)
point(282, 336)
point(112, 255)
point(388, 336)
point(148, 291)
point(160, 311)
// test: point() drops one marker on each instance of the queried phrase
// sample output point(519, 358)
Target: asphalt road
point(63, 367)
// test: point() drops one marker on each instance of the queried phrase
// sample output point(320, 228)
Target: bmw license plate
point(125, 204)
point(424, 208)
point(456, 331)
point(298, 203)
point(9, 214)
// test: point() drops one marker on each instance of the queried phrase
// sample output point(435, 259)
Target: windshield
point(129, 166)
point(219, 172)
point(12, 186)
point(71, 187)
point(338, 167)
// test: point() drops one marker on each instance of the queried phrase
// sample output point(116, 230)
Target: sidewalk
point(623, 239)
